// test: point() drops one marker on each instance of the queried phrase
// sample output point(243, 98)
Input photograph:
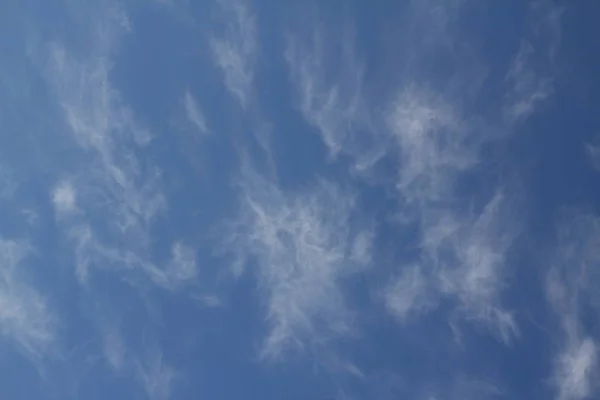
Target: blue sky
point(239, 199)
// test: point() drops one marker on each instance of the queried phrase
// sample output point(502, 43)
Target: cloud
point(119, 187)
point(436, 144)
point(571, 289)
point(302, 244)
point(25, 316)
point(330, 102)
point(462, 260)
point(64, 198)
point(234, 50)
point(575, 370)
point(114, 349)
point(409, 294)
point(462, 253)
point(194, 114)
point(180, 270)
point(528, 88)
point(531, 76)
point(105, 129)
point(155, 376)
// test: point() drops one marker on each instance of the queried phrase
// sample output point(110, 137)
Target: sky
point(251, 199)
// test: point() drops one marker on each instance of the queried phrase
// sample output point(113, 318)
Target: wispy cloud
point(436, 144)
point(303, 246)
point(528, 87)
point(119, 190)
point(180, 270)
point(156, 376)
point(571, 288)
point(234, 49)
point(330, 102)
point(462, 260)
point(25, 316)
point(194, 114)
point(410, 293)
point(462, 253)
point(530, 79)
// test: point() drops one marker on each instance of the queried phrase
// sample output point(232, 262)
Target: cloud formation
point(64, 198)
point(194, 114)
point(571, 288)
point(304, 245)
point(234, 49)
point(156, 376)
point(331, 102)
point(25, 316)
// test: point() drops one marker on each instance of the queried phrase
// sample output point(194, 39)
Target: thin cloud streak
point(194, 114)
point(234, 50)
point(25, 316)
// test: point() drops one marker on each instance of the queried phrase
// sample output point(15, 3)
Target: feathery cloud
point(332, 103)
point(156, 376)
point(25, 316)
point(462, 254)
point(528, 87)
point(120, 187)
point(303, 247)
point(530, 79)
point(234, 50)
point(194, 114)
point(571, 288)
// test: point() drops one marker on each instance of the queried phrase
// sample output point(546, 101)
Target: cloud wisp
point(25, 316)
point(156, 376)
point(194, 114)
point(462, 252)
point(331, 102)
point(235, 49)
point(304, 244)
point(118, 194)
point(571, 288)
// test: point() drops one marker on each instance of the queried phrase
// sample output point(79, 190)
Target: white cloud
point(302, 244)
point(114, 349)
point(571, 288)
point(332, 103)
point(117, 182)
point(24, 314)
point(194, 114)
point(64, 198)
point(528, 87)
point(462, 254)
point(119, 186)
point(234, 50)
point(156, 376)
point(575, 370)
point(409, 293)
point(435, 145)
point(530, 79)
point(179, 271)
